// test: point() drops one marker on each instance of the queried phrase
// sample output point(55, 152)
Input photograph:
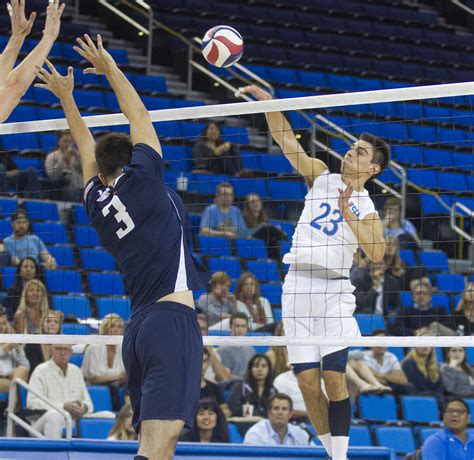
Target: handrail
point(463, 7)
point(12, 417)
point(454, 214)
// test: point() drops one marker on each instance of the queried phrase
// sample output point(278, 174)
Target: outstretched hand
point(343, 200)
point(60, 86)
point(53, 19)
point(256, 92)
point(21, 27)
point(100, 59)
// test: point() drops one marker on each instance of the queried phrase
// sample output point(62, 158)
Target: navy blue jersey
point(139, 222)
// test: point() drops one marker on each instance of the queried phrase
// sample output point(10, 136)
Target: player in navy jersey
point(140, 222)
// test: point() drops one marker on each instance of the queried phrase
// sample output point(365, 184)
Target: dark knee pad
point(300, 367)
point(336, 361)
point(140, 457)
point(340, 414)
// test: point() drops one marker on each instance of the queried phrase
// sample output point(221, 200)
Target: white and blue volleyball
point(222, 46)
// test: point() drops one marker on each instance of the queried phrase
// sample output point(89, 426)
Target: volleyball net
point(427, 266)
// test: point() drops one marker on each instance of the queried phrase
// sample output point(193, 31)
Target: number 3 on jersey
point(121, 216)
point(329, 227)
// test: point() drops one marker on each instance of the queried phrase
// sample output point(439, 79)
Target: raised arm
point(62, 88)
point(284, 136)
point(19, 80)
point(141, 127)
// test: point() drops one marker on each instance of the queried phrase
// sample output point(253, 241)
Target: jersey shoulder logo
point(354, 208)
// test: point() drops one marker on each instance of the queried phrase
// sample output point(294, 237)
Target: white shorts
point(316, 307)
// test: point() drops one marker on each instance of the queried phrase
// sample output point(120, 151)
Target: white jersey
point(322, 238)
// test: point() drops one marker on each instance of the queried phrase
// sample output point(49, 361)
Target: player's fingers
point(70, 72)
point(43, 78)
point(82, 44)
point(99, 42)
point(90, 42)
point(61, 9)
point(41, 85)
point(89, 70)
point(32, 18)
point(51, 67)
point(10, 9)
point(80, 51)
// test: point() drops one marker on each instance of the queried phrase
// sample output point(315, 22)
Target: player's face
point(27, 270)
point(3, 324)
point(20, 226)
point(358, 159)
point(51, 324)
point(239, 327)
point(421, 293)
point(456, 417)
point(279, 414)
point(260, 369)
point(206, 419)
point(34, 295)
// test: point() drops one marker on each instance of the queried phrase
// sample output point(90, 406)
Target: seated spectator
point(376, 291)
point(27, 270)
point(413, 320)
point(209, 390)
point(210, 424)
point(422, 371)
point(13, 362)
point(249, 398)
point(464, 316)
point(236, 358)
point(40, 353)
point(103, 364)
point(123, 429)
point(279, 355)
point(34, 306)
point(452, 442)
point(222, 218)
point(218, 304)
point(287, 384)
point(212, 154)
point(276, 429)
point(256, 220)
point(249, 302)
point(386, 367)
point(22, 244)
point(457, 375)
point(63, 168)
point(24, 183)
point(63, 384)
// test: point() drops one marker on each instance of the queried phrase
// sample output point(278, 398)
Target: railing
point(13, 418)
point(464, 7)
point(454, 214)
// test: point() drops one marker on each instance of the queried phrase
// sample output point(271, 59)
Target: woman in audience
point(13, 362)
point(63, 168)
point(279, 355)
point(33, 307)
point(218, 304)
point(26, 270)
point(257, 309)
point(250, 397)
point(212, 154)
point(464, 317)
point(210, 424)
point(123, 428)
point(456, 374)
point(103, 364)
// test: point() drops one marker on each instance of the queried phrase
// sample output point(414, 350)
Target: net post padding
point(247, 108)
point(409, 341)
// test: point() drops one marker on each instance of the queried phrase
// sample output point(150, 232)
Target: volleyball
point(222, 46)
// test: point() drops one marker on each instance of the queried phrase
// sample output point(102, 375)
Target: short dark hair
point(224, 185)
point(381, 155)
point(379, 331)
point(451, 400)
point(112, 152)
point(19, 212)
point(238, 314)
point(279, 396)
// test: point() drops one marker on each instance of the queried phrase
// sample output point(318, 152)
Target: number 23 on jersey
point(328, 226)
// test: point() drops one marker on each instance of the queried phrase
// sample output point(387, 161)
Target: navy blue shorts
point(162, 354)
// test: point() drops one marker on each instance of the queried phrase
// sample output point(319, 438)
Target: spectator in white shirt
point(386, 367)
point(276, 431)
point(287, 384)
point(63, 384)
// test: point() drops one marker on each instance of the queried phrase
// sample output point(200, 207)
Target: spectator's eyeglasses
point(456, 411)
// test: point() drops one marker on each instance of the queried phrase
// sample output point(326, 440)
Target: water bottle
point(460, 330)
point(182, 183)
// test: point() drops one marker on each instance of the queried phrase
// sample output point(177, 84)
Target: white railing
point(454, 213)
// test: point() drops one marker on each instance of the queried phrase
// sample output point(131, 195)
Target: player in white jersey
point(338, 217)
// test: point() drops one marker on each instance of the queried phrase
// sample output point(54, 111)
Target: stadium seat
point(264, 271)
point(96, 259)
point(205, 184)
point(106, 284)
point(406, 299)
point(234, 434)
point(235, 135)
point(80, 215)
point(107, 305)
point(400, 439)
point(430, 205)
point(100, 395)
point(275, 163)
point(5, 228)
point(77, 306)
point(63, 281)
point(448, 282)
point(250, 160)
point(434, 261)
point(85, 235)
point(7, 208)
point(150, 83)
point(95, 428)
point(286, 190)
point(378, 408)
point(271, 291)
point(50, 233)
point(75, 329)
point(214, 246)
point(423, 177)
point(441, 300)
point(419, 409)
point(178, 157)
point(242, 187)
point(425, 433)
point(76, 359)
point(369, 323)
point(41, 210)
point(230, 265)
point(63, 255)
point(359, 435)
point(408, 256)
point(251, 249)
point(470, 403)
point(8, 277)
point(452, 182)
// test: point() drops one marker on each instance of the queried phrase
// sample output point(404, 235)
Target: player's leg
point(158, 438)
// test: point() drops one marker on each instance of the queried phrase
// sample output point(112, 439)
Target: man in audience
point(21, 244)
point(386, 367)
point(236, 359)
point(275, 430)
point(414, 320)
point(63, 384)
point(453, 442)
point(24, 182)
point(222, 218)
point(287, 384)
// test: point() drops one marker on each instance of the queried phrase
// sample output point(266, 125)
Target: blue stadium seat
point(86, 236)
point(149, 83)
point(430, 205)
point(423, 133)
point(283, 75)
point(264, 271)
point(106, 284)
point(72, 305)
point(425, 433)
point(400, 439)
point(378, 408)
point(96, 259)
point(406, 299)
point(359, 435)
point(448, 282)
point(5, 228)
point(24, 141)
point(35, 164)
point(408, 256)
point(157, 103)
point(50, 232)
point(251, 249)
point(7, 208)
point(178, 157)
point(286, 190)
point(242, 187)
point(42, 210)
point(272, 292)
point(470, 403)
point(425, 177)
point(63, 281)
point(286, 226)
point(230, 265)
point(214, 246)
point(120, 306)
point(88, 99)
point(275, 163)
point(75, 329)
point(120, 55)
point(462, 160)
point(100, 395)
point(8, 275)
point(235, 135)
point(419, 409)
point(63, 255)
point(434, 261)
point(80, 215)
point(250, 160)
point(452, 181)
point(342, 82)
point(312, 79)
point(369, 323)
point(95, 428)
point(169, 129)
point(191, 131)
point(436, 157)
point(234, 433)
point(22, 113)
point(76, 359)
point(441, 300)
